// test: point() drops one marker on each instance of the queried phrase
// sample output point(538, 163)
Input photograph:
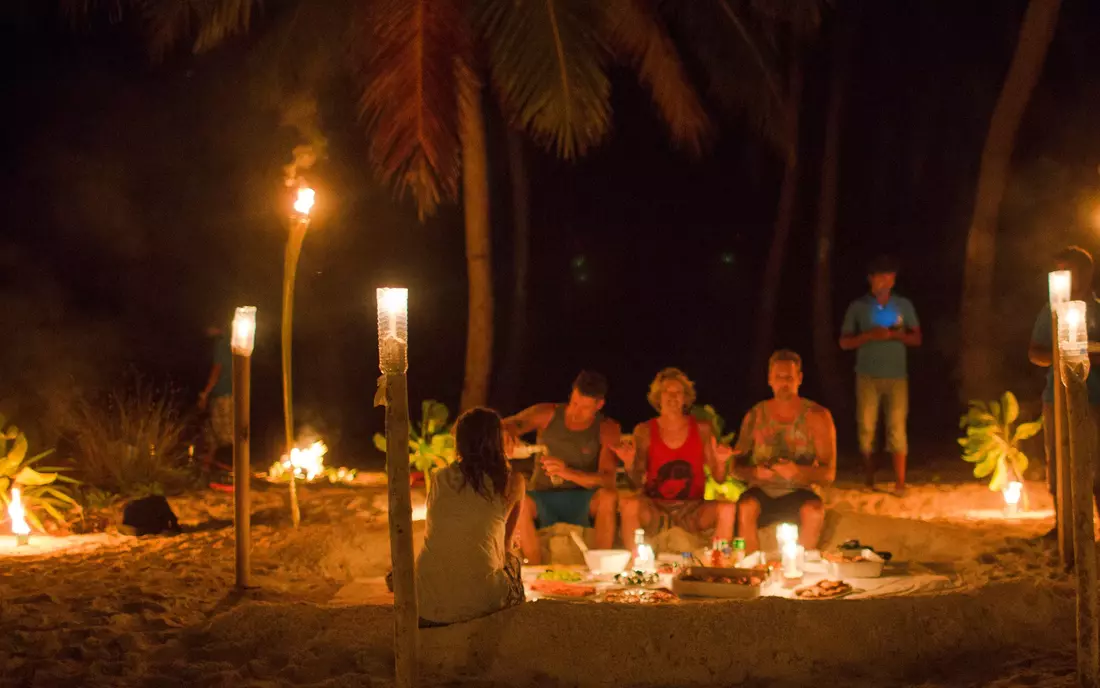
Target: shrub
point(132, 442)
point(431, 444)
point(41, 493)
point(992, 441)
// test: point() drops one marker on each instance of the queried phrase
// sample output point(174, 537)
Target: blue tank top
point(579, 449)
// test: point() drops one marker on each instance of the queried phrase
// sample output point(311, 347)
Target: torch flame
point(1012, 493)
point(304, 203)
point(307, 463)
point(18, 514)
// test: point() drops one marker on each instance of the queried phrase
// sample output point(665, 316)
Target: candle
point(790, 560)
point(393, 329)
point(1073, 338)
point(1059, 283)
point(1012, 495)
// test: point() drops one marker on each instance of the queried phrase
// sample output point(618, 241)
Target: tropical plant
point(979, 361)
point(130, 442)
point(417, 68)
point(431, 444)
point(992, 440)
point(41, 493)
point(731, 489)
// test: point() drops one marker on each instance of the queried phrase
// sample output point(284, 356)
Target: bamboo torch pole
point(1059, 283)
point(393, 360)
point(303, 205)
point(1073, 340)
point(242, 342)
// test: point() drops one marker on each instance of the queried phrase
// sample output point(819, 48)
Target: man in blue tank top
point(575, 481)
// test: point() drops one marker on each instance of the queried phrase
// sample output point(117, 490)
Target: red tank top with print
point(675, 474)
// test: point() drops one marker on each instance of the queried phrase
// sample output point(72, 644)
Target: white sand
point(117, 611)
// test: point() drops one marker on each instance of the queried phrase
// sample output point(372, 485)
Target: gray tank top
point(579, 449)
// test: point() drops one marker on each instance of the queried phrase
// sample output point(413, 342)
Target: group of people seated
point(479, 509)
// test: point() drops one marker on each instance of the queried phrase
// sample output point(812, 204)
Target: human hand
point(554, 467)
point(880, 334)
point(722, 452)
point(626, 451)
point(786, 470)
point(763, 473)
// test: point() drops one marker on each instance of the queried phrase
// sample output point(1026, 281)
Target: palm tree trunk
point(980, 364)
point(521, 258)
point(479, 269)
point(825, 346)
point(781, 231)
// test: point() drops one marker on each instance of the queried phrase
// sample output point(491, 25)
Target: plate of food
point(563, 590)
point(560, 575)
point(854, 563)
point(643, 596)
point(700, 581)
point(824, 590)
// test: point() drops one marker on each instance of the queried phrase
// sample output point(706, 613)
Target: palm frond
point(77, 12)
point(222, 19)
point(636, 33)
point(406, 62)
point(548, 59)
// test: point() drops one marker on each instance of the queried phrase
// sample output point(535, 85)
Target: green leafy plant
point(731, 489)
point(130, 440)
point(41, 493)
point(431, 444)
point(992, 440)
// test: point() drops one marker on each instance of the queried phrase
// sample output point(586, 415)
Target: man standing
point(217, 396)
point(575, 482)
point(880, 326)
point(1078, 261)
point(786, 446)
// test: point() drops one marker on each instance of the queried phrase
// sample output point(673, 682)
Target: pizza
point(563, 589)
point(823, 590)
point(656, 596)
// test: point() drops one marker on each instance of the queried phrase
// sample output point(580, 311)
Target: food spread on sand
point(735, 577)
point(556, 588)
point(823, 590)
point(637, 578)
point(656, 596)
point(563, 576)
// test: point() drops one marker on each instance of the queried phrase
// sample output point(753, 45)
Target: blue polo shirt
point(884, 360)
point(1041, 336)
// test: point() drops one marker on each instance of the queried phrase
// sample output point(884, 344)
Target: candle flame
point(393, 302)
point(1073, 317)
point(1059, 283)
point(18, 514)
point(787, 534)
point(304, 203)
point(1013, 492)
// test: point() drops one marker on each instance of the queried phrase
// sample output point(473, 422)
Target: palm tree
point(980, 369)
point(418, 68)
point(825, 348)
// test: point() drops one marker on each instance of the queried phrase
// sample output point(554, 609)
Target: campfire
point(308, 463)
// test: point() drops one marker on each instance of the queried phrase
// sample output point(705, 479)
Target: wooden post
point(406, 616)
point(1082, 443)
point(242, 469)
point(1062, 508)
point(290, 272)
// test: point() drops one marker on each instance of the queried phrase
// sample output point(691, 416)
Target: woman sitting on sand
point(468, 567)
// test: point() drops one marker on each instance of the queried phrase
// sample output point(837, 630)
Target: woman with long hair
point(468, 567)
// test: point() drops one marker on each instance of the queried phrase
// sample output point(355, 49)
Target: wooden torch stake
point(1062, 479)
point(1081, 439)
point(406, 615)
point(242, 470)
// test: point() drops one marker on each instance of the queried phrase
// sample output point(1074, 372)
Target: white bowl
point(607, 561)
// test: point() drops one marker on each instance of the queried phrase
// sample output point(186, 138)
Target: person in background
point(216, 397)
point(575, 481)
point(880, 326)
point(468, 567)
point(786, 446)
point(666, 462)
point(1079, 262)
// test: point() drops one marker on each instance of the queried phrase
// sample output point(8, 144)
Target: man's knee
point(630, 505)
point(812, 511)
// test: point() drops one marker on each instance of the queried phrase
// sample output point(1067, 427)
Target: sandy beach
point(113, 610)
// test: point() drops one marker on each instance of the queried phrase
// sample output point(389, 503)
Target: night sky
point(143, 201)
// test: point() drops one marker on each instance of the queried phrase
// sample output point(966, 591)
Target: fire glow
point(306, 463)
point(787, 535)
point(1012, 495)
point(19, 526)
point(304, 203)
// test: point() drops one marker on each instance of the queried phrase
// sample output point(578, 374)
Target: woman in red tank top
point(675, 474)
